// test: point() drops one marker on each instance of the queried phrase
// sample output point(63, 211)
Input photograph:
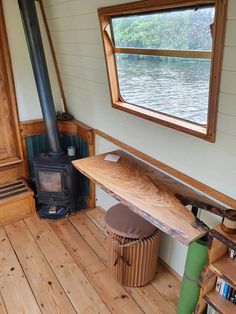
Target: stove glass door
point(50, 181)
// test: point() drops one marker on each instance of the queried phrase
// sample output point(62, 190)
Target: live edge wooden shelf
point(152, 194)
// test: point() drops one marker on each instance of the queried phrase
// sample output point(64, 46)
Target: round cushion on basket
point(124, 222)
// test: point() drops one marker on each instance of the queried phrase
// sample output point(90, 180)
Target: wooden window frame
point(206, 132)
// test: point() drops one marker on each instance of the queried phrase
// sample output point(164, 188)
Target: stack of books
point(225, 290)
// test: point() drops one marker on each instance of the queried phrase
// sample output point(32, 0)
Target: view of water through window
point(167, 85)
point(172, 85)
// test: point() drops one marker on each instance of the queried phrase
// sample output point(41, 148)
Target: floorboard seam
point(126, 289)
point(81, 268)
point(23, 269)
point(97, 223)
point(87, 277)
point(93, 229)
point(4, 304)
point(46, 260)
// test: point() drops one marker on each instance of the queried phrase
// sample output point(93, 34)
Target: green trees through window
point(187, 29)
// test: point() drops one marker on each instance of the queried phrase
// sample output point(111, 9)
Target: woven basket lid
point(124, 222)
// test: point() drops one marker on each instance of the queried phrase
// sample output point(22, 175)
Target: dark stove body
point(58, 185)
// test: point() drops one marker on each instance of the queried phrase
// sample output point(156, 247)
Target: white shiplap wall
point(75, 31)
point(26, 92)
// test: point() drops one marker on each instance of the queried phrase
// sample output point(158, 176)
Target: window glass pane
point(187, 29)
point(174, 86)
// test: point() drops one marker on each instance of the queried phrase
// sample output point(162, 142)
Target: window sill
point(168, 121)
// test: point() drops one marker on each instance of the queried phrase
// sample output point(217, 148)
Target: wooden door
point(8, 147)
point(11, 156)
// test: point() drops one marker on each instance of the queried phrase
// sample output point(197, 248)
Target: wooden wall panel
point(11, 154)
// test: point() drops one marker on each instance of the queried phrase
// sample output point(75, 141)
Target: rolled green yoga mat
point(196, 259)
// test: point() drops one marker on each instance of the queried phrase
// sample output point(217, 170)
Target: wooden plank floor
point(60, 267)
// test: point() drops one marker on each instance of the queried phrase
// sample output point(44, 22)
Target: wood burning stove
point(58, 186)
point(57, 182)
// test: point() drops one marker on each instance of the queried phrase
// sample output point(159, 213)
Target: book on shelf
point(232, 253)
point(219, 285)
point(225, 290)
point(211, 310)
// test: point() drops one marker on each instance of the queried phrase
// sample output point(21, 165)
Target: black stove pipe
point(38, 60)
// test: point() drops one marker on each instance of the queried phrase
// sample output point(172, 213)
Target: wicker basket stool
point(133, 245)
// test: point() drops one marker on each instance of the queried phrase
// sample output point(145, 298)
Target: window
point(164, 61)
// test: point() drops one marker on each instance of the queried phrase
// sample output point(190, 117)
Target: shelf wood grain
point(220, 304)
point(227, 239)
point(225, 267)
point(147, 191)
